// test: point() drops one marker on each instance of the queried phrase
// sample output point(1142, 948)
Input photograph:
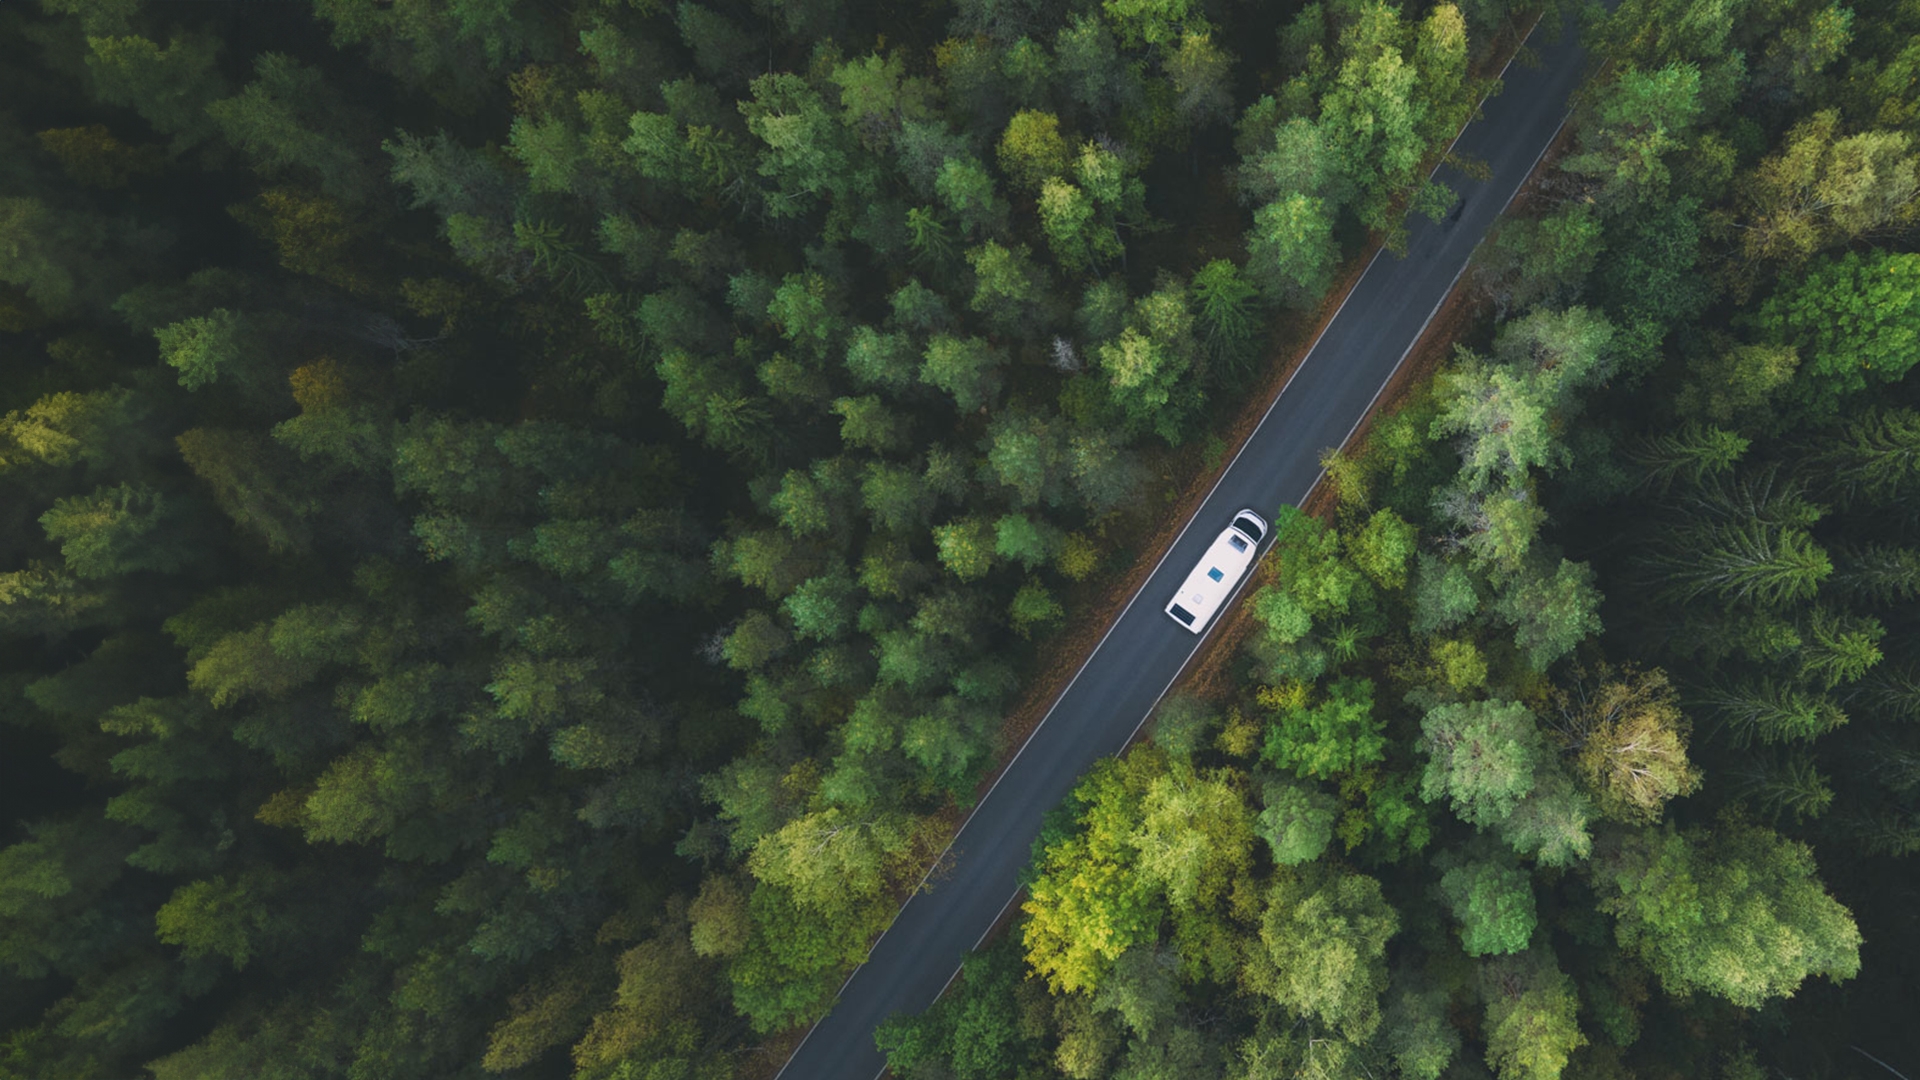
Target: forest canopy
point(521, 525)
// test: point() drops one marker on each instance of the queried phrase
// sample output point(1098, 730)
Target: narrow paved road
point(1144, 651)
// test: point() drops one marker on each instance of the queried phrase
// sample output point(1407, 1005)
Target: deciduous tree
point(1089, 901)
point(1482, 756)
point(1735, 911)
point(1493, 900)
point(1325, 930)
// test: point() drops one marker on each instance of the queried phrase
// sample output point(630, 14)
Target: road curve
point(1144, 651)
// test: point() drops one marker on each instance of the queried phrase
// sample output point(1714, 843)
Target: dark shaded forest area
point(519, 522)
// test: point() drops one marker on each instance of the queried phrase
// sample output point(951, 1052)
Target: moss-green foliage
point(988, 1025)
point(1853, 321)
point(519, 515)
point(1494, 904)
point(1736, 912)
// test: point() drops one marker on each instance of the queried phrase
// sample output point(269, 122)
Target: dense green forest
point(520, 522)
point(1580, 738)
point(518, 517)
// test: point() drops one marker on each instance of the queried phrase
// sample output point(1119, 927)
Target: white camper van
point(1218, 573)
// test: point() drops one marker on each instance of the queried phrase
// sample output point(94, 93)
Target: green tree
point(254, 482)
point(1562, 352)
point(1752, 562)
point(1769, 710)
point(1025, 540)
point(1543, 260)
point(1325, 930)
point(1531, 1031)
point(1148, 365)
point(1693, 453)
point(806, 310)
point(1853, 321)
point(1031, 148)
point(96, 430)
point(1735, 911)
point(1297, 822)
point(896, 496)
point(1416, 1031)
point(205, 348)
point(966, 547)
point(1635, 123)
point(966, 189)
point(120, 530)
point(1089, 902)
point(803, 505)
point(55, 257)
point(1780, 785)
point(867, 423)
point(833, 860)
point(1550, 822)
point(1338, 736)
point(1147, 22)
point(880, 360)
point(1373, 116)
point(1823, 189)
point(918, 308)
point(1873, 458)
point(290, 120)
point(1225, 310)
point(1026, 453)
point(1382, 548)
point(805, 155)
point(1073, 227)
point(1092, 69)
point(794, 959)
point(822, 607)
point(720, 47)
point(1629, 741)
point(1443, 594)
point(1482, 756)
point(169, 87)
point(1493, 901)
point(1501, 418)
point(1201, 73)
point(226, 917)
point(877, 96)
point(974, 1032)
point(1444, 95)
point(1290, 250)
point(1739, 381)
point(1551, 614)
point(765, 559)
point(1105, 473)
point(967, 368)
point(1033, 606)
point(1195, 837)
point(1878, 574)
point(1007, 285)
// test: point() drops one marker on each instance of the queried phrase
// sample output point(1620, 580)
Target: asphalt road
point(1144, 651)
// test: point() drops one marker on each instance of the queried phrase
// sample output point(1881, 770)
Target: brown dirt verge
point(765, 1059)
